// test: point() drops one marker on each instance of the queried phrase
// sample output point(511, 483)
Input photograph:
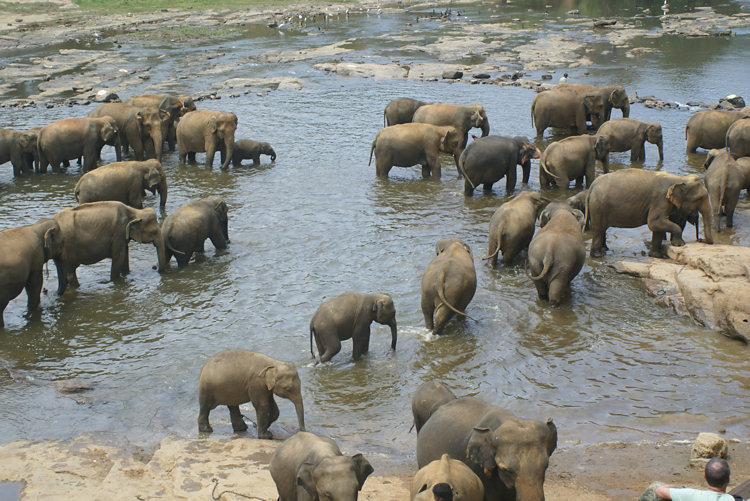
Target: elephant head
point(27, 141)
point(450, 142)
point(223, 127)
point(151, 127)
point(187, 104)
point(653, 136)
point(222, 213)
point(691, 195)
point(444, 243)
point(52, 240)
point(517, 452)
point(108, 130)
point(334, 478)
point(283, 380)
point(601, 149)
point(144, 228)
point(479, 120)
point(594, 106)
point(154, 180)
point(384, 313)
point(618, 98)
point(266, 149)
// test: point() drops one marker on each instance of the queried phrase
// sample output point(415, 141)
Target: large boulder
point(707, 446)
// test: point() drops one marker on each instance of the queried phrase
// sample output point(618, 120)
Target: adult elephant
point(449, 474)
point(566, 110)
point(448, 285)
point(19, 148)
point(613, 96)
point(512, 225)
point(629, 134)
point(410, 144)
point(724, 181)
point(708, 129)
point(630, 198)
point(744, 164)
point(400, 111)
point(247, 148)
point(98, 230)
point(461, 117)
point(72, 138)
point(140, 127)
point(124, 182)
point(509, 454)
point(349, 315)
point(573, 158)
point(207, 131)
point(235, 377)
point(186, 229)
point(174, 106)
point(488, 159)
point(23, 252)
point(738, 138)
point(429, 396)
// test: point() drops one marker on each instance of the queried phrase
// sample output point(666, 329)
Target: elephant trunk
point(229, 149)
point(530, 491)
point(626, 109)
point(299, 407)
point(157, 139)
point(161, 252)
point(394, 334)
point(485, 128)
point(705, 210)
point(162, 189)
point(661, 149)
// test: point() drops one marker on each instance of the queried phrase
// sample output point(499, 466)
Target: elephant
point(578, 201)
point(247, 148)
point(74, 137)
point(629, 198)
point(140, 127)
point(573, 158)
point(453, 474)
point(428, 397)
point(400, 111)
point(173, 107)
point(186, 229)
point(19, 148)
point(629, 134)
point(207, 131)
point(488, 159)
point(308, 467)
point(410, 144)
point(708, 129)
point(509, 454)
point(565, 109)
point(557, 251)
point(234, 377)
point(23, 252)
point(512, 226)
point(98, 230)
point(738, 138)
point(349, 315)
point(724, 181)
point(124, 182)
point(461, 117)
point(613, 96)
point(744, 164)
point(448, 285)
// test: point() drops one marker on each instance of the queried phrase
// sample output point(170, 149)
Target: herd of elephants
point(482, 452)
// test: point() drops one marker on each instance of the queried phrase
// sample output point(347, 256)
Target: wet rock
point(106, 96)
point(604, 23)
point(707, 446)
point(733, 99)
point(481, 76)
point(453, 75)
point(546, 77)
point(650, 493)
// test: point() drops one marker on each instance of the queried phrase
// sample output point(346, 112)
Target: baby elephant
point(235, 377)
point(557, 252)
point(724, 181)
point(512, 225)
point(573, 158)
point(428, 397)
point(349, 315)
point(448, 284)
point(450, 475)
point(186, 229)
point(629, 134)
point(309, 467)
point(247, 148)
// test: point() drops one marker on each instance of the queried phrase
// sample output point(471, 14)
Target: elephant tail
point(543, 165)
point(77, 192)
point(494, 253)
point(532, 113)
point(463, 172)
point(547, 266)
point(444, 301)
point(312, 331)
point(172, 249)
point(372, 148)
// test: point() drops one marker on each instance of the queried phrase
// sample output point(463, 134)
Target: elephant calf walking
point(512, 225)
point(628, 134)
point(247, 148)
point(724, 181)
point(186, 229)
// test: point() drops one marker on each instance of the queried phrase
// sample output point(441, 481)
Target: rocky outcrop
point(710, 283)
point(707, 446)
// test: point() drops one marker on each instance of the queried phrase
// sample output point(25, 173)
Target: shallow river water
point(609, 364)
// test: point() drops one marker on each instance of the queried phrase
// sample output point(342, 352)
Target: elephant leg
point(119, 262)
point(327, 352)
point(238, 424)
point(556, 291)
point(256, 159)
point(210, 154)
point(510, 179)
point(425, 171)
point(171, 137)
point(657, 238)
point(428, 310)
point(661, 223)
point(191, 157)
point(487, 187)
point(434, 163)
point(263, 414)
point(382, 167)
point(62, 277)
point(361, 342)
point(442, 315)
point(34, 289)
point(205, 409)
point(183, 259)
point(731, 204)
point(468, 188)
point(274, 410)
point(526, 168)
point(73, 278)
point(598, 241)
point(542, 289)
point(118, 148)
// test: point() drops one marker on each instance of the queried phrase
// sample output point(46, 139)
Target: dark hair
point(717, 472)
point(443, 491)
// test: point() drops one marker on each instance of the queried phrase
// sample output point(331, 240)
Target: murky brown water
point(608, 365)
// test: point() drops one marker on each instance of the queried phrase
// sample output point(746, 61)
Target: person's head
point(442, 492)
point(717, 473)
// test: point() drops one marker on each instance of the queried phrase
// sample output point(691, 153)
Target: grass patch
point(29, 8)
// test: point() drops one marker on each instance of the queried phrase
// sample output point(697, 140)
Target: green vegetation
point(28, 8)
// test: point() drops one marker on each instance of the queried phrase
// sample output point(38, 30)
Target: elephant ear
point(676, 193)
point(581, 218)
point(211, 126)
point(480, 449)
point(362, 469)
point(221, 209)
point(52, 242)
point(269, 376)
point(710, 157)
point(305, 479)
point(127, 228)
point(507, 475)
point(164, 115)
point(552, 437)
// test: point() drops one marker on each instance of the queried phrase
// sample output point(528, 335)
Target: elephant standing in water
point(428, 397)
point(400, 111)
point(349, 315)
point(172, 107)
point(488, 159)
point(738, 138)
point(19, 148)
point(206, 131)
point(247, 148)
point(708, 129)
point(629, 134)
point(566, 110)
point(613, 96)
point(124, 182)
point(139, 127)
point(724, 181)
point(463, 118)
point(573, 158)
point(512, 225)
point(454, 476)
point(72, 138)
point(186, 229)
point(234, 377)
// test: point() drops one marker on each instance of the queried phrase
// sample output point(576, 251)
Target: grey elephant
point(629, 134)
point(98, 230)
point(429, 396)
point(448, 285)
point(173, 107)
point(463, 118)
point(578, 201)
point(557, 251)
point(744, 164)
point(400, 111)
point(186, 229)
point(124, 182)
point(72, 138)
point(509, 454)
point(708, 129)
point(573, 158)
point(308, 467)
point(410, 144)
point(512, 225)
point(488, 159)
point(738, 138)
point(140, 127)
point(247, 148)
point(566, 110)
point(206, 131)
point(19, 148)
point(613, 96)
point(724, 181)
point(23, 252)
point(234, 377)
point(455, 476)
point(630, 198)
point(349, 315)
